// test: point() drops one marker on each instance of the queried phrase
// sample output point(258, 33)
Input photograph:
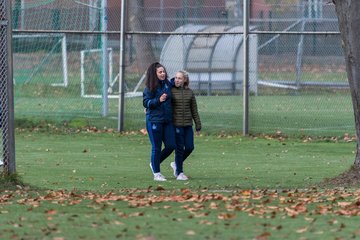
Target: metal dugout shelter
point(214, 62)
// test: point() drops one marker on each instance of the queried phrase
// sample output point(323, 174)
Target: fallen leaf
point(263, 236)
point(226, 216)
point(190, 233)
point(302, 230)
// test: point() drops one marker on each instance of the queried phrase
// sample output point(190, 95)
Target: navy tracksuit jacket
point(159, 124)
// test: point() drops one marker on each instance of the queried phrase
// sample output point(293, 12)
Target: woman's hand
point(163, 97)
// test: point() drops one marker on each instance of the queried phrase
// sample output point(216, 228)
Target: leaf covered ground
point(128, 213)
point(99, 186)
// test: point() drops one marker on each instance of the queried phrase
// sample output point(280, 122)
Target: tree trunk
point(144, 55)
point(349, 25)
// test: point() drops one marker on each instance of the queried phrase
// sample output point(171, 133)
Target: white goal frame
point(82, 73)
point(112, 80)
point(62, 39)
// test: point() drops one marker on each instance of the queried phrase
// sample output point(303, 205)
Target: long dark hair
point(152, 80)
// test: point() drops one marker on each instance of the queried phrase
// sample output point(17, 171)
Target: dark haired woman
point(157, 101)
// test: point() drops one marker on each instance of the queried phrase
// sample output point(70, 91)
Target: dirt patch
point(349, 178)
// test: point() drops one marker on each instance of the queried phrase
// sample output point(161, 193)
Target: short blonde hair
point(186, 78)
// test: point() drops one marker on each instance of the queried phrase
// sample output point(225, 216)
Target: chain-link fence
point(297, 76)
point(302, 85)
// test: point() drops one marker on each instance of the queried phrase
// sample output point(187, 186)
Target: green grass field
point(315, 115)
point(309, 111)
point(99, 186)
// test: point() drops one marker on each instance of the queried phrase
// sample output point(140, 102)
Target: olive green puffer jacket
point(185, 108)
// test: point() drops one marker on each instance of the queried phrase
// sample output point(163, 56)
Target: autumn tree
point(349, 25)
point(144, 52)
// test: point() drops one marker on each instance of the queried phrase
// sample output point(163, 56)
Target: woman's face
point(160, 73)
point(179, 79)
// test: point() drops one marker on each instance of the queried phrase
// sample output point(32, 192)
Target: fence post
point(122, 68)
point(7, 97)
point(104, 58)
point(246, 69)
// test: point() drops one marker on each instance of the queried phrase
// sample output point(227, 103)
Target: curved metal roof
point(206, 57)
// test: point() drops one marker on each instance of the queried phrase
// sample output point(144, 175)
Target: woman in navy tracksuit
point(157, 101)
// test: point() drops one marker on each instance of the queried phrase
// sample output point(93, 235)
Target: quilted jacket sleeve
point(195, 113)
point(150, 101)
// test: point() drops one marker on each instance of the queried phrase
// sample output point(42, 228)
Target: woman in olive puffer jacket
point(185, 111)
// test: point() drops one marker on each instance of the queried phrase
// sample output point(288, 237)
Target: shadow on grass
point(10, 182)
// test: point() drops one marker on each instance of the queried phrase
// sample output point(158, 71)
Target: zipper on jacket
point(183, 105)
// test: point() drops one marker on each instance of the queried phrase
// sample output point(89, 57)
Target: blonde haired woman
point(185, 112)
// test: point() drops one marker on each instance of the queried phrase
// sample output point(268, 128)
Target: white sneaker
point(182, 177)
point(159, 177)
point(173, 166)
